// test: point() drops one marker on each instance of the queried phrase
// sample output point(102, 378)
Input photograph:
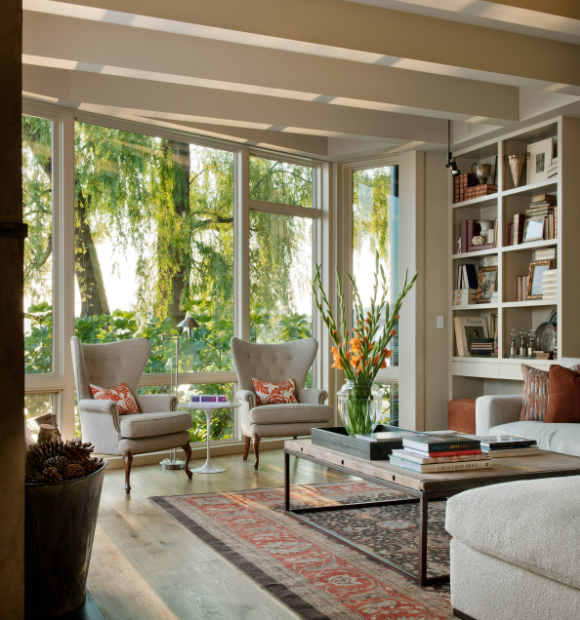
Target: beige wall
point(11, 360)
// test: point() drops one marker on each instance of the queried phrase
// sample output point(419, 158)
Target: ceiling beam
point(340, 25)
point(164, 56)
point(563, 8)
point(194, 104)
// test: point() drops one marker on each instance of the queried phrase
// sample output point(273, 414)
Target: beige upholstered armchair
point(276, 363)
point(158, 427)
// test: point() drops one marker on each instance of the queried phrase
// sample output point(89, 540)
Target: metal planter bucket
point(61, 518)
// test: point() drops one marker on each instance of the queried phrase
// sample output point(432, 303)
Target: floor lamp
point(187, 325)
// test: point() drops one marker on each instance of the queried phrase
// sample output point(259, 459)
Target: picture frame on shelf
point(541, 154)
point(466, 330)
point(534, 229)
point(535, 288)
point(487, 284)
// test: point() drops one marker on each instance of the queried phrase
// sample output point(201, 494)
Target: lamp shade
point(188, 324)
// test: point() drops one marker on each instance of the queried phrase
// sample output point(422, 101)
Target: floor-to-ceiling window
point(153, 238)
point(375, 228)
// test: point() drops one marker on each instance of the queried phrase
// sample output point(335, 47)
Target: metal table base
point(419, 497)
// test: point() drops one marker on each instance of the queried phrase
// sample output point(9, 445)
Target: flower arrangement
point(362, 352)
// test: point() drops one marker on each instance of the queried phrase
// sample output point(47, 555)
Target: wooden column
point(11, 320)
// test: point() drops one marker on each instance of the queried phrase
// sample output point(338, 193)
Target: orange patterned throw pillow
point(275, 393)
point(121, 394)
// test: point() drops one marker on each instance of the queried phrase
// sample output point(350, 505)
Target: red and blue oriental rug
point(316, 577)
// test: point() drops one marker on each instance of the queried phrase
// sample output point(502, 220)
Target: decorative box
point(195, 399)
point(222, 399)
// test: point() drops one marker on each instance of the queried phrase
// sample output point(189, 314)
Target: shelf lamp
point(450, 163)
point(187, 325)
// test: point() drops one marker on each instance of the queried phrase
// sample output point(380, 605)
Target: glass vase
point(360, 404)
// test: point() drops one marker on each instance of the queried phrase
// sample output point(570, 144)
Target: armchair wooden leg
point(246, 448)
point(256, 444)
point(187, 449)
point(128, 460)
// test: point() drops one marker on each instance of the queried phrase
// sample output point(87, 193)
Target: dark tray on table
point(336, 438)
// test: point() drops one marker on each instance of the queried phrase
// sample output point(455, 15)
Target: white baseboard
point(152, 458)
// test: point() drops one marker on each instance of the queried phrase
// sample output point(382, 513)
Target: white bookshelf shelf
point(532, 245)
point(532, 303)
point(545, 187)
point(513, 260)
point(482, 201)
point(475, 254)
point(476, 307)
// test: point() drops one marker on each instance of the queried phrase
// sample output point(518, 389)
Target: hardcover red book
point(464, 236)
point(438, 454)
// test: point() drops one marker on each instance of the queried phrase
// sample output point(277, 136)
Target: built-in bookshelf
point(513, 260)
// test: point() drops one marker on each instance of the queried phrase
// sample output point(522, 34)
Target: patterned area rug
point(316, 577)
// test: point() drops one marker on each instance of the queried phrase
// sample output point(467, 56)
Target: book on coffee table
point(431, 443)
point(446, 458)
point(506, 453)
point(435, 468)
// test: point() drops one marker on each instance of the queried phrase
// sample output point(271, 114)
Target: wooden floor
point(145, 566)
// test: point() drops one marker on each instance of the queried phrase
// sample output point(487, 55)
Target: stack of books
point(465, 297)
point(498, 446)
point(522, 292)
point(479, 191)
point(553, 168)
point(489, 261)
point(433, 453)
point(550, 284)
point(482, 347)
point(545, 254)
point(462, 182)
point(544, 206)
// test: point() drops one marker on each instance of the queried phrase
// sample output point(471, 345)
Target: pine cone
point(59, 462)
point(31, 479)
point(76, 450)
point(50, 474)
point(73, 471)
point(90, 465)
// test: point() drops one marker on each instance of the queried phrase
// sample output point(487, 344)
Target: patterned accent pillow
point(121, 394)
point(275, 393)
point(536, 393)
point(535, 402)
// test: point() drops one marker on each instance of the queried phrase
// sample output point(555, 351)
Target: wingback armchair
point(158, 427)
point(276, 363)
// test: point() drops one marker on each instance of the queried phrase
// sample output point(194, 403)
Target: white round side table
point(209, 408)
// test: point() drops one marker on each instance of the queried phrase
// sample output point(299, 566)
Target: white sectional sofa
point(515, 553)
point(500, 414)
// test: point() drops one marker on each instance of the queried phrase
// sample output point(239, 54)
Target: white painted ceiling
point(330, 78)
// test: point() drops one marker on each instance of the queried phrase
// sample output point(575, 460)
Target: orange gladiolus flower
point(337, 364)
point(393, 332)
point(387, 354)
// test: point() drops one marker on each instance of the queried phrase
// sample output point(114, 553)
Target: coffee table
point(423, 488)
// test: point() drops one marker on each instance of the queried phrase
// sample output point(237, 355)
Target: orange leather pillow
point(564, 391)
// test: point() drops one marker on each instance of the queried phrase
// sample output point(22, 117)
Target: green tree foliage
point(171, 204)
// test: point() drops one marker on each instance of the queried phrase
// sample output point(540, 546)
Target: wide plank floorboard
point(146, 566)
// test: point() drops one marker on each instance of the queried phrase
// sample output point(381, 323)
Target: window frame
point(61, 380)
point(391, 373)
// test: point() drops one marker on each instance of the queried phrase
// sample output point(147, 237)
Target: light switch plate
point(440, 322)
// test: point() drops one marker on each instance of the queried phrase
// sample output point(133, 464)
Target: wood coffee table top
point(545, 465)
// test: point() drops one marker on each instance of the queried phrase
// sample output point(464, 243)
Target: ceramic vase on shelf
point(360, 405)
point(516, 163)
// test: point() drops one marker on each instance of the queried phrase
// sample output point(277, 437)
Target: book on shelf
point(468, 230)
point(439, 467)
point(461, 183)
point(478, 191)
point(522, 291)
point(430, 443)
point(518, 228)
point(545, 254)
point(474, 455)
point(489, 261)
point(466, 329)
point(467, 276)
point(549, 198)
point(544, 355)
point(495, 233)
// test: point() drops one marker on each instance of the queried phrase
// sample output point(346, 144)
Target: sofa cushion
point(275, 393)
point(564, 438)
point(138, 425)
point(278, 414)
point(564, 390)
point(534, 524)
point(121, 394)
